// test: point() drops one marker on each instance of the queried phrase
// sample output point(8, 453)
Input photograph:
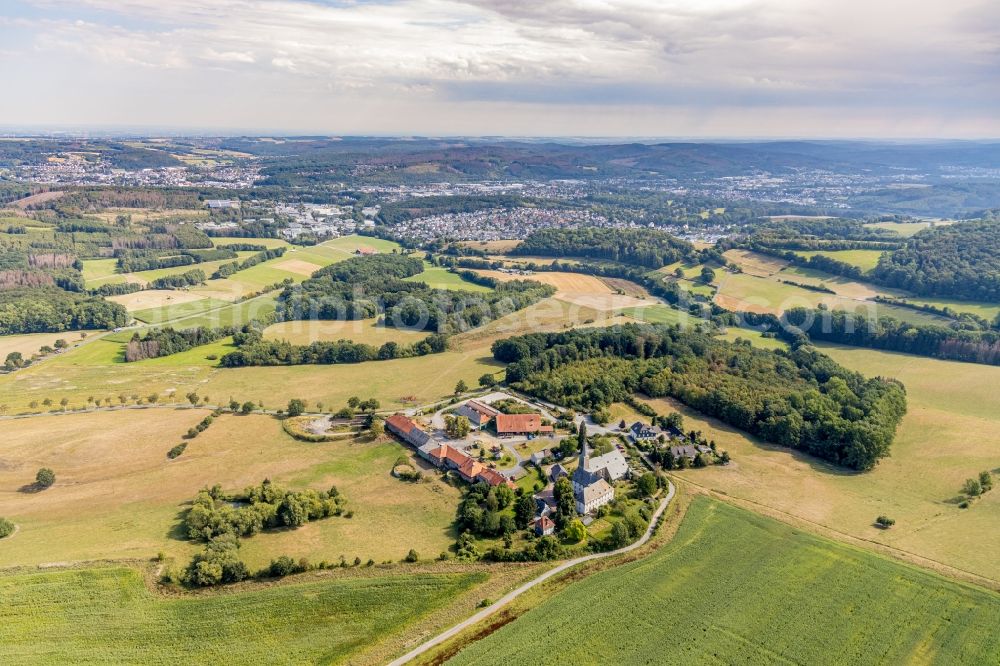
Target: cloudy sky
point(701, 68)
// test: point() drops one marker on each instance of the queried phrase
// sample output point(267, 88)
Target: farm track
point(514, 594)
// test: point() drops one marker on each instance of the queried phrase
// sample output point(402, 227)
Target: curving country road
point(510, 596)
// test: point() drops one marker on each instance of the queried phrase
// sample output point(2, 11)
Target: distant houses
point(222, 204)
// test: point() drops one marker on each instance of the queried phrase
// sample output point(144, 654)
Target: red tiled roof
point(400, 423)
point(494, 478)
point(485, 410)
point(507, 423)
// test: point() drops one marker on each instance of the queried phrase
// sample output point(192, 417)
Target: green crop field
point(107, 616)
point(988, 311)
point(159, 315)
point(863, 259)
point(735, 587)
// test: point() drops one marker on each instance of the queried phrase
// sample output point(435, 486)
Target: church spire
point(582, 441)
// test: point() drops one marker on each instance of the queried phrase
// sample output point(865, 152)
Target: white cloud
point(695, 57)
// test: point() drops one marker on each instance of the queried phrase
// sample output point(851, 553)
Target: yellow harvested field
point(303, 332)
point(298, 267)
point(117, 495)
point(155, 298)
point(753, 263)
point(30, 343)
point(579, 289)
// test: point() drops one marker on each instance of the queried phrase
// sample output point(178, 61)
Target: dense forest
point(52, 310)
point(366, 287)
point(959, 260)
point(800, 398)
point(642, 247)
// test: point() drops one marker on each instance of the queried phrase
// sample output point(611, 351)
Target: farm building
point(510, 425)
point(688, 451)
point(407, 430)
point(470, 469)
point(477, 413)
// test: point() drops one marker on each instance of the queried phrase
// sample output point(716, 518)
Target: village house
point(639, 431)
point(688, 451)
point(539, 457)
point(510, 425)
point(544, 526)
point(557, 472)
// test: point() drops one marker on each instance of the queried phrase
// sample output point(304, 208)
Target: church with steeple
point(590, 487)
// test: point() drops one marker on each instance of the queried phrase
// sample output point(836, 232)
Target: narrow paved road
point(510, 596)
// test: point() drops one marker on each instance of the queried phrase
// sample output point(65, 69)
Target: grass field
point(866, 260)
point(578, 289)
point(118, 496)
point(734, 587)
point(106, 616)
point(988, 311)
point(183, 310)
point(950, 433)
point(437, 277)
point(302, 332)
point(905, 229)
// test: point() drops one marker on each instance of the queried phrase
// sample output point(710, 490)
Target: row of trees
point(800, 398)
point(643, 247)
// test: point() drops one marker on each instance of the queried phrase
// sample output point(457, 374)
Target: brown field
point(118, 496)
point(579, 289)
point(301, 332)
point(109, 215)
point(41, 197)
point(155, 298)
point(627, 287)
point(753, 263)
point(30, 343)
point(298, 267)
point(950, 433)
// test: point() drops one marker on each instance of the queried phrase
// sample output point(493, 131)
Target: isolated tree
point(456, 427)
point(45, 477)
point(646, 484)
point(370, 405)
point(47, 402)
point(972, 488)
point(885, 522)
point(575, 531)
point(707, 275)
point(60, 344)
point(411, 556)
point(487, 380)
point(353, 402)
point(192, 398)
point(524, 510)
point(64, 402)
point(985, 481)
point(247, 407)
point(153, 398)
point(461, 387)
point(377, 428)
point(296, 407)
point(565, 502)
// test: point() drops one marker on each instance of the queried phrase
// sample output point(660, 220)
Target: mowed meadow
point(117, 495)
point(735, 587)
point(950, 433)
